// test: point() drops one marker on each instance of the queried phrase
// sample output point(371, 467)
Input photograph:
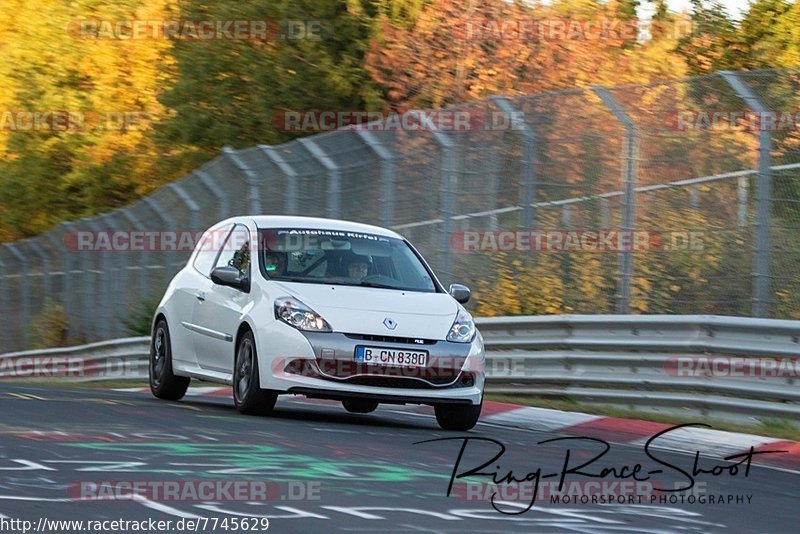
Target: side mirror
point(460, 293)
point(227, 276)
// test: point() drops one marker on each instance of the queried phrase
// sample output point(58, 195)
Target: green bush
point(50, 327)
point(140, 321)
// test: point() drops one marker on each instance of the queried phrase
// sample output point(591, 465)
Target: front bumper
point(327, 368)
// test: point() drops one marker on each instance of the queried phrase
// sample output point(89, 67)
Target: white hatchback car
point(322, 308)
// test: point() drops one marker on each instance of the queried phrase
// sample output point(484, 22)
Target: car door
point(219, 308)
point(187, 286)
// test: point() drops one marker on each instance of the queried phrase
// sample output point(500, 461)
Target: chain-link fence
point(673, 197)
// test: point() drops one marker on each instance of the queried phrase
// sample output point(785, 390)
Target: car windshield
point(342, 258)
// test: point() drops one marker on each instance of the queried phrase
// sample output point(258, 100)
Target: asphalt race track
point(326, 470)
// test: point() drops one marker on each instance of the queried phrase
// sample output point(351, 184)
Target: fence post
point(741, 188)
point(761, 246)
point(215, 190)
point(527, 162)
point(116, 280)
point(47, 283)
point(254, 201)
point(566, 216)
point(290, 203)
point(333, 207)
point(66, 268)
point(7, 335)
point(694, 197)
point(24, 284)
point(168, 222)
point(387, 175)
point(137, 225)
point(629, 171)
point(447, 199)
point(191, 205)
point(101, 309)
point(83, 287)
point(448, 182)
point(605, 213)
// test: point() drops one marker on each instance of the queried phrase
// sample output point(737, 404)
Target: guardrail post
point(387, 175)
point(333, 208)
point(222, 199)
point(761, 246)
point(528, 161)
point(24, 285)
point(254, 201)
point(629, 171)
point(290, 202)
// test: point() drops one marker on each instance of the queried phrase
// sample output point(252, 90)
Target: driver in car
point(275, 263)
point(358, 267)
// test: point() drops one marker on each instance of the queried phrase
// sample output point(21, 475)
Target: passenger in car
point(275, 263)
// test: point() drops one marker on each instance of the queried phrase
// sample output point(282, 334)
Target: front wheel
point(248, 396)
point(164, 384)
point(457, 416)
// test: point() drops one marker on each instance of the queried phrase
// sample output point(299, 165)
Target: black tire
point(360, 405)
point(164, 384)
point(248, 396)
point(457, 416)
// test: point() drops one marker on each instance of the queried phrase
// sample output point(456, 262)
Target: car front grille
point(392, 339)
point(367, 375)
point(391, 382)
point(464, 380)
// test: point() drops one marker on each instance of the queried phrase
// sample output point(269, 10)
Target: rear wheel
point(248, 396)
point(457, 416)
point(164, 384)
point(359, 405)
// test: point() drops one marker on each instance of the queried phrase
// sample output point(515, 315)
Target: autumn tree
point(712, 44)
point(51, 67)
point(476, 49)
point(230, 91)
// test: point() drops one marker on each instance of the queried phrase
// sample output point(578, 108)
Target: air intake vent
point(392, 339)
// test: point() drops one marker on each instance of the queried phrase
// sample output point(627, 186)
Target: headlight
point(294, 313)
point(463, 329)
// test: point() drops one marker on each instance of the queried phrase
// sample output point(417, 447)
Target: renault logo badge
point(389, 323)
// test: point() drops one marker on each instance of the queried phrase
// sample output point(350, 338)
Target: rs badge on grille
point(390, 323)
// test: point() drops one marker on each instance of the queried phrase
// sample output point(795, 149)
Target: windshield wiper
point(379, 285)
point(300, 279)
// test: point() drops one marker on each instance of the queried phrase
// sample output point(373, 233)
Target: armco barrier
point(105, 360)
point(670, 363)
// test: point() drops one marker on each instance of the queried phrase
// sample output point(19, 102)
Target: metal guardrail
point(620, 360)
point(632, 361)
point(105, 360)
